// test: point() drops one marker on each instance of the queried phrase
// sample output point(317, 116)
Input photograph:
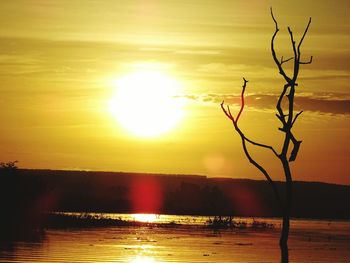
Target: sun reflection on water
point(143, 259)
point(147, 218)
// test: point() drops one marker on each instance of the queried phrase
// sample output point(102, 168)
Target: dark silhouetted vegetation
point(228, 222)
point(31, 192)
point(8, 167)
point(64, 220)
point(20, 200)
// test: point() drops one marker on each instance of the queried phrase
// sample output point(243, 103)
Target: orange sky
point(60, 60)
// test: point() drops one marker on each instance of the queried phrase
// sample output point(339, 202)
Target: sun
point(146, 103)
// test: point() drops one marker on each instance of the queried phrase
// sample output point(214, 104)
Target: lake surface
point(310, 241)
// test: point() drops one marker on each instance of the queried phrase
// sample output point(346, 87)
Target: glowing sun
point(145, 103)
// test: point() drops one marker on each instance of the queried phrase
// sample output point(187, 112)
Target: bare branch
point(293, 43)
point(262, 145)
point(235, 121)
point(274, 55)
point(286, 60)
point(296, 116)
point(296, 143)
point(274, 20)
point(242, 99)
point(227, 113)
point(252, 161)
point(302, 38)
point(261, 169)
point(295, 150)
point(307, 62)
point(281, 115)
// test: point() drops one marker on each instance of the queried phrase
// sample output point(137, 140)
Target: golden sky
point(60, 62)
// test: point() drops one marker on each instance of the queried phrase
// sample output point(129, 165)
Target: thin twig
point(302, 38)
point(307, 62)
point(274, 55)
point(260, 168)
point(226, 112)
point(286, 60)
point(262, 145)
point(242, 99)
point(245, 139)
point(296, 116)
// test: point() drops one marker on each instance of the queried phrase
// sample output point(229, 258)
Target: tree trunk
point(286, 213)
point(284, 239)
point(287, 121)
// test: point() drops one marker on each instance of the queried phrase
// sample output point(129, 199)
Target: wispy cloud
point(322, 103)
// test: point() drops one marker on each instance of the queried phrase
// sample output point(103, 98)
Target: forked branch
point(287, 123)
point(274, 55)
point(244, 139)
point(296, 117)
point(296, 52)
point(228, 111)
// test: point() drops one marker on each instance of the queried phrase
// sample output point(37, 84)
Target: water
point(310, 241)
point(304, 225)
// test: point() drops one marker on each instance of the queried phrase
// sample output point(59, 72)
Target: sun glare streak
point(146, 103)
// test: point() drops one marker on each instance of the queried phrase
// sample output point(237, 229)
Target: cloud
point(333, 106)
point(323, 103)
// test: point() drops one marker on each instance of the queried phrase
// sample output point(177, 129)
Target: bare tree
point(287, 117)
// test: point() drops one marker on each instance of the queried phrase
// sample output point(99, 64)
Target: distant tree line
point(26, 195)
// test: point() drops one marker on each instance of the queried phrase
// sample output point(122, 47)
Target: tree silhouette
point(8, 167)
point(287, 117)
